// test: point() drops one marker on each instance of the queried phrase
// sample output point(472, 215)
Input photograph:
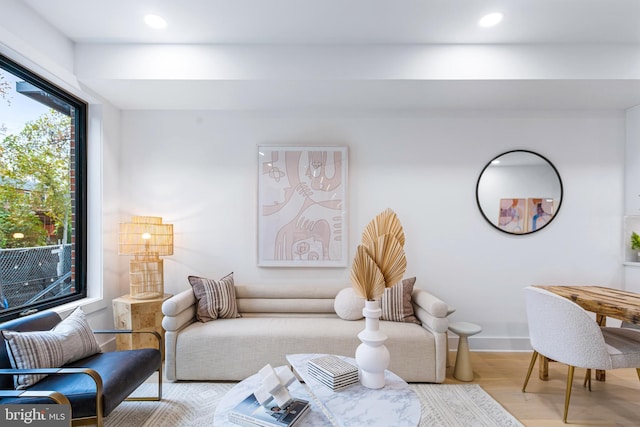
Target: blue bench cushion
point(121, 372)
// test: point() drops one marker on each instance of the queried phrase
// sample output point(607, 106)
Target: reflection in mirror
point(519, 192)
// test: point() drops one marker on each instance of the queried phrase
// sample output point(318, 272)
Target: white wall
point(632, 194)
point(45, 51)
point(198, 170)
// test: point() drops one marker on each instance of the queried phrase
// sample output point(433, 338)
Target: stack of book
point(250, 413)
point(333, 372)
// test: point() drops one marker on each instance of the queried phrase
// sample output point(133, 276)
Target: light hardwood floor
point(615, 402)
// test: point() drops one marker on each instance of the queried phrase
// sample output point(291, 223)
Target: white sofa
point(282, 320)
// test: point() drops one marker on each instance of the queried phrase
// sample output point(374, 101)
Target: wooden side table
point(138, 315)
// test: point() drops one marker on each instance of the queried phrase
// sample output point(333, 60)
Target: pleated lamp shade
point(146, 234)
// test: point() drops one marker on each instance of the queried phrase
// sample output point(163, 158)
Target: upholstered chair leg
point(567, 396)
point(587, 379)
point(531, 365)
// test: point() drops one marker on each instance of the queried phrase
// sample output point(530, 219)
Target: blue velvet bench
point(93, 386)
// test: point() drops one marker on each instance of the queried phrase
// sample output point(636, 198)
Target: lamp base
point(146, 295)
point(146, 278)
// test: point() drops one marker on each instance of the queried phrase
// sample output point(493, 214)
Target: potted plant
point(635, 243)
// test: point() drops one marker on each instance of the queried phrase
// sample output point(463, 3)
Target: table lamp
point(146, 238)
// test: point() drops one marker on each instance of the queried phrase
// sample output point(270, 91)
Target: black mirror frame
point(559, 181)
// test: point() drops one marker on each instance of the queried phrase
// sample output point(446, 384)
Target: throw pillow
point(70, 340)
point(348, 305)
point(396, 302)
point(216, 298)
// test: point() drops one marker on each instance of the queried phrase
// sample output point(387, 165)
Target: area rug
point(193, 404)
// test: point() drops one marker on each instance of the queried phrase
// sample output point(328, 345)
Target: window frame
point(79, 190)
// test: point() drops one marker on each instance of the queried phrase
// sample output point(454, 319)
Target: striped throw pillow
point(396, 302)
point(216, 298)
point(70, 340)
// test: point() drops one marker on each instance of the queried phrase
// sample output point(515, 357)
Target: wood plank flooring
point(615, 402)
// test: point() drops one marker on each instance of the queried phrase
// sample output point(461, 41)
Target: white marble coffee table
point(355, 406)
point(314, 418)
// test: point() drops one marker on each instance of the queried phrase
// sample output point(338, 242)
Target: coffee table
point(314, 418)
point(355, 406)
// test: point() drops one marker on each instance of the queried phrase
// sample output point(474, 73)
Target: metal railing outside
point(28, 275)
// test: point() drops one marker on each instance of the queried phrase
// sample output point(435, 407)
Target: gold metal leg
point(567, 395)
point(150, 398)
point(531, 365)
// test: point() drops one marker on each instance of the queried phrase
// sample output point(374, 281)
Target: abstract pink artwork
point(512, 215)
point(302, 206)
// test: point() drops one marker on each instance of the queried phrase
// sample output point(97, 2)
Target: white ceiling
point(353, 22)
point(345, 21)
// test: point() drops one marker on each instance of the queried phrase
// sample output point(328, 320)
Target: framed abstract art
point(539, 212)
point(302, 216)
point(512, 215)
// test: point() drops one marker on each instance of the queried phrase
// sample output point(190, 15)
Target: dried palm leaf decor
point(380, 261)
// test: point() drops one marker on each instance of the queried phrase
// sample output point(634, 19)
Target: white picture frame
point(302, 200)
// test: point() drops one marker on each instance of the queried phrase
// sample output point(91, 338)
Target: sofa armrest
point(179, 311)
point(431, 310)
point(178, 303)
point(430, 303)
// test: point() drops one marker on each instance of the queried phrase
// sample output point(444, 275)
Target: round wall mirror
point(519, 192)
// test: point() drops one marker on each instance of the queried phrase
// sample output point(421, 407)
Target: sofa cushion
point(70, 340)
point(348, 305)
point(240, 347)
point(396, 302)
point(215, 298)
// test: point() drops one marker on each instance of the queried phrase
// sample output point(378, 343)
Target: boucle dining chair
point(563, 331)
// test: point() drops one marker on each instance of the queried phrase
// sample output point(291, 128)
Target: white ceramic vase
point(372, 356)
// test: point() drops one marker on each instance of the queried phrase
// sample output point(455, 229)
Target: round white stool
point(463, 370)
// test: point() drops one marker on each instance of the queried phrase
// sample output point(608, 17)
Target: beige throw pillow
point(216, 298)
point(396, 302)
point(70, 340)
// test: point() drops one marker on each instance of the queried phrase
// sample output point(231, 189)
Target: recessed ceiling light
point(155, 21)
point(490, 20)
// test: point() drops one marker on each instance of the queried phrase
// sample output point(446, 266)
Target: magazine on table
point(250, 413)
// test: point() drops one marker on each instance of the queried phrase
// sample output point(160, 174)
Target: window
point(42, 193)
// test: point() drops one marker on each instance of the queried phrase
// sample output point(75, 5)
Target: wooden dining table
point(604, 302)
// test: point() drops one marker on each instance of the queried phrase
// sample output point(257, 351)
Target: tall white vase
point(372, 356)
